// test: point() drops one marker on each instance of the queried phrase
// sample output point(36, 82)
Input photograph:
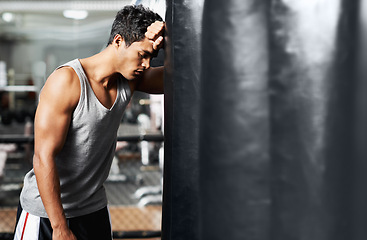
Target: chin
point(129, 77)
point(132, 77)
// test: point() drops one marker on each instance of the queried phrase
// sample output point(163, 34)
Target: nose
point(146, 63)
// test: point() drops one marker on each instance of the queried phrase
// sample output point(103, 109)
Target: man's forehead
point(144, 44)
point(147, 46)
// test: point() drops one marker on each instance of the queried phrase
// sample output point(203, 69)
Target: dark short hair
point(132, 22)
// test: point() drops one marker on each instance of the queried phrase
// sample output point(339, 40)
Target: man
point(76, 122)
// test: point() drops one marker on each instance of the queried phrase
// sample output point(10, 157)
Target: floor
point(127, 176)
point(123, 218)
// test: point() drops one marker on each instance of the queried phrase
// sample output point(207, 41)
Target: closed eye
point(146, 54)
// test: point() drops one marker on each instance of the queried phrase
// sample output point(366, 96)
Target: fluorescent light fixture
point(8, 17)
point(75, 14)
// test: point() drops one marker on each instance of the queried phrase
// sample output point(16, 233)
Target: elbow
point(41, 162)
point(36, 161)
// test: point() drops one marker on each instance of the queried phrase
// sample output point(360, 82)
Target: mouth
point(138, 72)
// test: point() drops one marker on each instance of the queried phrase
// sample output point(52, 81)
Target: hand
point(63, 234)
point(155, 34)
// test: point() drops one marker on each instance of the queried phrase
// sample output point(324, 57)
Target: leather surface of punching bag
point(359, 196)
point(280, 156)
point(275, 136)
point(310, 82)
point(182, 88)
point(234, 128)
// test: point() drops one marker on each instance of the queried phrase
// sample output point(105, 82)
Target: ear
point(118, 40)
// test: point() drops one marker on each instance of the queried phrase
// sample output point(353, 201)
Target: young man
point(76, 122)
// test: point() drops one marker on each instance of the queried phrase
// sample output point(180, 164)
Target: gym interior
point(261, 133)
point(35, 38)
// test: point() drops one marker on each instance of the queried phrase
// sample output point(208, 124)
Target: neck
point(100, 68)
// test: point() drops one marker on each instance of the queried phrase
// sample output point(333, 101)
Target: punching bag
point(310, 82)
point(359, 196)
point(276, 119)
point(234, 128)
point(275, 149)
point(180, 218)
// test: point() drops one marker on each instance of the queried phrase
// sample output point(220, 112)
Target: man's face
point(136, 58)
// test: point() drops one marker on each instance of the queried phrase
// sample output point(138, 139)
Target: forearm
point(54, 112)
point(49, 188)
point(152, 81)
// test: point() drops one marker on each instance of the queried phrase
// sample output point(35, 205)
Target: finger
point(158, 23)
point(157, 43)
point(159, 39)
point(154, 31)
point(156, 27)
point(150, 35)
point(153, 36)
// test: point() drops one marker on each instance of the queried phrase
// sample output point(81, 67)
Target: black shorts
point(96, 225)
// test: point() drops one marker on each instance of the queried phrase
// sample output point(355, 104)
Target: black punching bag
point(276, 154)
point(234, 128)
point(261, 113)
point(310, 84)
point(182, 94)
point(359, 204)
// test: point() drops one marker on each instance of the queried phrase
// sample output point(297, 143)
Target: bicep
point(51, 126)
point(53, 115)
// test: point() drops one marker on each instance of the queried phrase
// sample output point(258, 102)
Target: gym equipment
point(181, 125)
point(234, 128)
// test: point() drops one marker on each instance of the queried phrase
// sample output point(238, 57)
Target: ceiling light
point(8, 17)
point(75, 14)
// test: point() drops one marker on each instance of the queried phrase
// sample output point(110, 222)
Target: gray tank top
point(85, 160)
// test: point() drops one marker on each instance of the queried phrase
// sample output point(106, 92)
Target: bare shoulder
point(62, 88)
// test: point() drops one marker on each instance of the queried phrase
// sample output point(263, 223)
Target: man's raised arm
point(152, 80)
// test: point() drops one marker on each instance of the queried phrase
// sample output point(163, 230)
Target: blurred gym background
point(35, 38)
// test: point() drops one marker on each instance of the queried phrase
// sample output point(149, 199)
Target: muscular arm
point(152, 81)
point(57, 101)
